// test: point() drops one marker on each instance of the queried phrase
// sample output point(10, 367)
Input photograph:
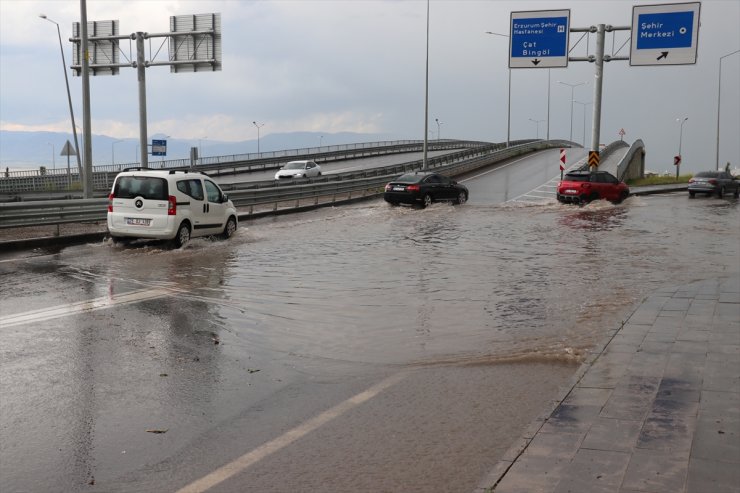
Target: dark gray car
point(714, 183)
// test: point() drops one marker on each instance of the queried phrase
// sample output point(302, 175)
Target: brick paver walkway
point(657, 409)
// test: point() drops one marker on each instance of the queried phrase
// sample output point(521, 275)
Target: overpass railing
point(59, 179)
point(269, 199)
point(632, 164)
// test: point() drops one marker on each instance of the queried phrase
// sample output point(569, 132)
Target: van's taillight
point(388, 187)
point(110, 203)
point(713, 181)
point(172, 205)
point(413, 188)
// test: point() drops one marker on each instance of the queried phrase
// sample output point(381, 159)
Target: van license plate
point(137, 221)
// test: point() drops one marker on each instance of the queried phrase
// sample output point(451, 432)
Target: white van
point(168, 205)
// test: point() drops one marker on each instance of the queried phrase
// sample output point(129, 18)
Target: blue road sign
point(159, 147)
point(666, 30)
point(665, 34)
point(539, 39)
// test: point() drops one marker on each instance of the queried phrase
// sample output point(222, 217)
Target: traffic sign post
point(665, 34)
point(562, 162)
point(159, 147)
point(539, 39)
point(676, 160)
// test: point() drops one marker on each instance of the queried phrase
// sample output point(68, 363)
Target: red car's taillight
point(713, 181)
point(110, 203)
point(413, 188)
point(692, 180)
point(172, 205)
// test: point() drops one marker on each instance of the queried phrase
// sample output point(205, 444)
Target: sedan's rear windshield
point(294, 166)
point(578, 177)
point(707, 174)
point(409, 178)
point(148, 187)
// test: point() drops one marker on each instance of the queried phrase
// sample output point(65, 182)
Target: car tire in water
point(426, 201)
point(229, 229)
point(737, 192)
point(182, 236)
point(462, 197)
point(692, 195)
point(721, 192)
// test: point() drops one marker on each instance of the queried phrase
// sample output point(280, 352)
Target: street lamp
point(53, 154)
point(508, 104)
point(572, 89)
point(719, 93)
point(321, 138)
point(200, 142)
point(258, 125)
point(113, 151)
point(438, 124)
point(584, 119)
point(69, 96)
point(680, 138)
point(536, 122)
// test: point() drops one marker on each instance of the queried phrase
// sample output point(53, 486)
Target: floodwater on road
point(332, 295)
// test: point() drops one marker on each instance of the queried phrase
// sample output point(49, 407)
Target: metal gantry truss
point(194, 45)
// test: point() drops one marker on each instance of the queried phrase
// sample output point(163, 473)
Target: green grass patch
point(659, 180)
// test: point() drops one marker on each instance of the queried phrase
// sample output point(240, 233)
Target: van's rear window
point(148, 187)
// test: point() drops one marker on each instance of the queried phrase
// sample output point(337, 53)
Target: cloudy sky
point(359, 66)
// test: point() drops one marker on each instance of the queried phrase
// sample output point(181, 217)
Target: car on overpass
point(714, 183)
point(423, 188)
point(298, 169)
point(168, 205)
point(583, 186)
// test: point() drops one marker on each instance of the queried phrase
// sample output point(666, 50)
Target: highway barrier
point(263, 197)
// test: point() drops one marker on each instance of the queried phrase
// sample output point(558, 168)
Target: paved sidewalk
point(657, 409)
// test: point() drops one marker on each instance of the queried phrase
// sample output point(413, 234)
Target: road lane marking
point(59, 311)
point(245, 461)
point(504, 166)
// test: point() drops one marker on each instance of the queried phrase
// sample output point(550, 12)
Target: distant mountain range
point(29, 150)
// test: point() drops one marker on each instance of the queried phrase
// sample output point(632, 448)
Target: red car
point(580, 187)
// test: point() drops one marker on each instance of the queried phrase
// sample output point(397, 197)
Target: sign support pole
point(141, 75)
point(598, 90)
point(87, 178)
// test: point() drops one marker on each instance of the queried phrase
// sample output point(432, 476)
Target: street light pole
point(113, 151)
point(438, 124)
point(53, 158)
point(258, 125)
point(572, 91)
point(508, 103)
point(537, 122)
point(719, 93)
point(69, 96)
point(584, 119)
point(680, 138)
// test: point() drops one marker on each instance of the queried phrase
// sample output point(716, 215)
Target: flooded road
point(190, 359)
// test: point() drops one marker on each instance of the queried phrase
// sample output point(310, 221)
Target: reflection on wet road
point(298, 313)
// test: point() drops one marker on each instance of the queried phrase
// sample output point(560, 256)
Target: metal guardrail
point(60, 180)
point(341, 186)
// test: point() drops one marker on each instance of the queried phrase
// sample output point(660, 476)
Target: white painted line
point(557, 178)
point(504, 166)
point(83, 306)
point(245, 461)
